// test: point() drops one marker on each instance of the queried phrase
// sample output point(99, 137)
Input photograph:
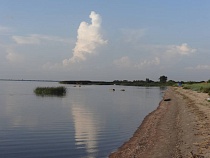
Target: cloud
point(5, 30)
point(126, 62)
point(26, 40)
point(123, 62)
point(14, 57)
point(156, 56)
point(37, 39)
point(148, 63)
point(89, 38)
point(49, 66)
point(199, 67)
point(133, 35)
point(182, 49)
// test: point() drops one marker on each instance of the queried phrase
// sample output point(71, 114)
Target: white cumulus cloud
point(88, 39)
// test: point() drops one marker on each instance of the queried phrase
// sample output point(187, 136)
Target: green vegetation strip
point(199, 87)
point(58, 91)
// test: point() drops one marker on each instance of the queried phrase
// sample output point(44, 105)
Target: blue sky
point(105, 40)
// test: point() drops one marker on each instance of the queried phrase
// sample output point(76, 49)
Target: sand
point(178, 128)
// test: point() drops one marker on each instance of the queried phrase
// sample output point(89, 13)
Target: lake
point(88, 122)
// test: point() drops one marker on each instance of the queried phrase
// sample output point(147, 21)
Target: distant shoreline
point(28, 80)
point(139, 83)
point(88, 82)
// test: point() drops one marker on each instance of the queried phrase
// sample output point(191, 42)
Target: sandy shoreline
point(179, 127)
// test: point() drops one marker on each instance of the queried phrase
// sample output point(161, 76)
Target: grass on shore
point(199, 87)
point(53, 91)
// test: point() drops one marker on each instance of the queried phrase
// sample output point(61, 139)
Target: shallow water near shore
point(88, 122)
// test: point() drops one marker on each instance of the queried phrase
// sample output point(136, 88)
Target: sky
point(105, 40)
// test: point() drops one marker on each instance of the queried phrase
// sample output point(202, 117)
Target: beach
point(178, 128)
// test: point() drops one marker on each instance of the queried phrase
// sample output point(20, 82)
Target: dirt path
point(178, 128)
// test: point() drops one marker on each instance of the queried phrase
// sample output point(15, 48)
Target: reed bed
point(54, 91)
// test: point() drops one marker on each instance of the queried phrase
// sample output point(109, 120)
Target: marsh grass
point(50, 91)
point(199, 87)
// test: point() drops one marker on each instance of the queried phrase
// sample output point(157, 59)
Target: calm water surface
point(89, 122)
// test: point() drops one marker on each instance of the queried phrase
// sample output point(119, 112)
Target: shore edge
point(178, 127)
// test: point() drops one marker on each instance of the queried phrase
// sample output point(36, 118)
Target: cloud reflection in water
point(86, 128)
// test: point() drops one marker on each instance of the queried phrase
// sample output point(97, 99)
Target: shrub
point(199, 87)
point(206, 90)
point(186, 86)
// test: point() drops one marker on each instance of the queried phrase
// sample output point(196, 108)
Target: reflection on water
point(85, 129)
point(85, 122)
point(89, 122)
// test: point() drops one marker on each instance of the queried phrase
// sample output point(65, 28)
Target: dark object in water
point(122, 89)
point(167, 99)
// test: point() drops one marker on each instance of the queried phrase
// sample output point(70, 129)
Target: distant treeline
point(85, 82)
point(121, 82)
point(146, 82)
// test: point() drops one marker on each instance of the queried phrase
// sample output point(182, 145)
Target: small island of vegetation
point(53, 91)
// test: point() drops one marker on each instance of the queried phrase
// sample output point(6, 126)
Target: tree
point(148, 80)
point(163, 79)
